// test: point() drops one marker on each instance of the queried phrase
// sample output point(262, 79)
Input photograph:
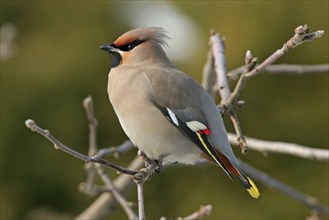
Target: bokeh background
point(50, 61)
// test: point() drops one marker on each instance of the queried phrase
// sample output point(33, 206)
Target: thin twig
point(140, 176)
point(230, 103)
point(218, 50)
point(297, 69)
point(284, 69)
point(203, 212)
point(140, 195)
point(58, 145)
point(92, 122)
point(242, 143)
point(116, 151)
point(100, 208)
point(250, 62)
point(116, 194)
point(267, 180)
point(283, 148)
point(302, 35)
point(209, 75)
point(88, 104)
point(144, 174)
point(89, 108)
point(88, 186)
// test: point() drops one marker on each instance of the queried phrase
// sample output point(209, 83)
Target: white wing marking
point(196, 126)
point(173, 116)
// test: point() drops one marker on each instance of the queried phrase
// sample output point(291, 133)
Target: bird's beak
point(114, 52)
point(107, 47)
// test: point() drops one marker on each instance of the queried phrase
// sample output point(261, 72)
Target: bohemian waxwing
point(163, 111)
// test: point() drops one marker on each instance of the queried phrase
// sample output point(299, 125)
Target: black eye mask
point(128, 46)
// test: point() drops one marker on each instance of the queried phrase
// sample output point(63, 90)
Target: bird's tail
point(237, 172)
point(250, 186)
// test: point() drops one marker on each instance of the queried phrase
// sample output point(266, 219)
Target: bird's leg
point(159, 165)
point(144, 173)
point(150, 164)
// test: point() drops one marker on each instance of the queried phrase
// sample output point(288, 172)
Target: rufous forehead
point(128, 37)
point(124, 40)
point(141, 34)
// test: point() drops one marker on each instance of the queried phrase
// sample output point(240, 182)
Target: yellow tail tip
point(253, 190)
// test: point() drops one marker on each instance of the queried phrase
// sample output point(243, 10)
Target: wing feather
point(173, 89)
point(182, 100)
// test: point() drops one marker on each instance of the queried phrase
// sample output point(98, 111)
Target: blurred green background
point(55, 63)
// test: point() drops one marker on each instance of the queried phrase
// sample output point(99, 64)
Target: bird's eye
point(131, 45)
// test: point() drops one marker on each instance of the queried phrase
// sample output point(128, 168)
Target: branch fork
point(229, 101)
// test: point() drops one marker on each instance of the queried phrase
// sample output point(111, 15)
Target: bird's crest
point(156, 34)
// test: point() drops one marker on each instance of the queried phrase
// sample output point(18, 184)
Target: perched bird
point(163, 111)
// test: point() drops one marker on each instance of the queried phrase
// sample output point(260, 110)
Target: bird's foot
point(158, 167)
point(153, 166)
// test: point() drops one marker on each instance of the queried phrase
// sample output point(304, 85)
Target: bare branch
point(106, 179)
point(298, 69)
point(302, 35)
point(283, 148)
point(203, 212)
point(277, 185)
point(100, 208)
point(284, 69)
point(116, 151)
point(92, 121)
point(242, 143)
point(250, 62)
point(88, 186)
point(209, 75)
point(89, 107)
point(151, 167)
point(58, 145)
point(218, 50)
point(116, 194)
point(95, 159)
point(140, 196)
point(231, 103)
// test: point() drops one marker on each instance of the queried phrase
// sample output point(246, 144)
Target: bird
point(162, 110)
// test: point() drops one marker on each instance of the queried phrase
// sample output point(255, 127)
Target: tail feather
point(253, 190)
point(233, 170)
point(244, 179)
point(249, 185)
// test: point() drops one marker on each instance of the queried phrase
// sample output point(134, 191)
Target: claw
point(159, 167)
